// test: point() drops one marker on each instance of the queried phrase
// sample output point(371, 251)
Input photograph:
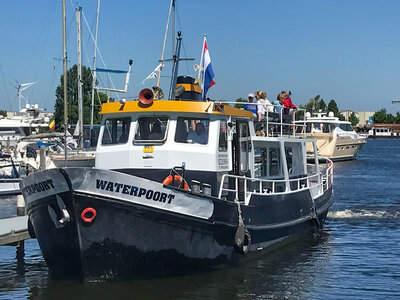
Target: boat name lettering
point(38, 187)
point(132, 190)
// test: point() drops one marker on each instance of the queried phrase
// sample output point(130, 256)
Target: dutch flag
point(208, 73)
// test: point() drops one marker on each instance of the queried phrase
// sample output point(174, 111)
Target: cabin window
point(151, 130)
point(222, 142)
point(346, 127)
point(308, 128)
point(274, 161)
point(289, 158)
point(192, 130)
point(245, 146)
point(116, 131)
point(316, 127)
point(325, 128)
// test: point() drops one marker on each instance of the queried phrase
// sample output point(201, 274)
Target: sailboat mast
point(165, 40)
point(94, 74)
point(79, 67)
point(65, 81)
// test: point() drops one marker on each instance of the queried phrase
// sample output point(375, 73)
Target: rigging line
point(184, 50)
point(5, 87)
point(101, 56)
point(38, 40)
point(55, 70)
point(51, 21)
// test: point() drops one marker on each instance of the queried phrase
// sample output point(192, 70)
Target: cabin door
point(241, 149)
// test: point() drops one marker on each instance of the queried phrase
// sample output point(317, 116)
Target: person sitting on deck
point(287, 102)
point(251, 106)
point(199, 135)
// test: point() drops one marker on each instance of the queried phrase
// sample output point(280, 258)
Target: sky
point(346, 50)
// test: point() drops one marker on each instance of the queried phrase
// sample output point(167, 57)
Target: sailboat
point(177, 185)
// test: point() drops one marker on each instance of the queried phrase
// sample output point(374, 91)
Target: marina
point(126, 179)
point(358, 243)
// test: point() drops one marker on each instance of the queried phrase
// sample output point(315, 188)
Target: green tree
point(390, 119)
point(3, 113)
point(332, 106)
point(398, 118)
point(240, 102)
point(379, 116)
point(72, 94)
point(353, 119)
point(322, 105)
point(312, 105)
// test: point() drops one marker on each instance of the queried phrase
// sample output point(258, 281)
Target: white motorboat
point(25, 122)
point(336, 139)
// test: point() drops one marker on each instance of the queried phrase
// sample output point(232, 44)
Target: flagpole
point(165, 39)
point(202, 56)
point(201, 70)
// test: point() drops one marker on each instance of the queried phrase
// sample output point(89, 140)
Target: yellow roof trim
point(173, 106)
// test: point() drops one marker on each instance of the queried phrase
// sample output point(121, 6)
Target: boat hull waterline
point(93, 223)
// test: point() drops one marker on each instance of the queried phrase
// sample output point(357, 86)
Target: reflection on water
point(356, 256)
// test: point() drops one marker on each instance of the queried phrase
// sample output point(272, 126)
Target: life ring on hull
point(88, 214)
point(176, 178)
point(242, 240)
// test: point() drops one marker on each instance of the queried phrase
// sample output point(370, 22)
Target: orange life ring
point(176, 178)
point(92, 214)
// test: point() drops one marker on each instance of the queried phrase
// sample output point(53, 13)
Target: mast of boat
point(94, 74)
point(79, 67)
point(165, 40)
point(65, 82)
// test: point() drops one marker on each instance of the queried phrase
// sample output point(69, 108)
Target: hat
point(251, 95)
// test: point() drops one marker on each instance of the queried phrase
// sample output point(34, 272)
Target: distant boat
point(9, 176)
point(26, 122)
point(336, 139)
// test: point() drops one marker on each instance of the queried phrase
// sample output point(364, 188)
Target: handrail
point(301, 183)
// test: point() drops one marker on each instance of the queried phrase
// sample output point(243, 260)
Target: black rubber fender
point(242, 240)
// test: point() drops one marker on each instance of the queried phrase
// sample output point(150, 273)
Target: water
point(355, 256)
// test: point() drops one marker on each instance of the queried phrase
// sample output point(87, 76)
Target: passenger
point(287, 102)
point(199, 135)
point(251, 106)
point(262, 98)
point(156, 133)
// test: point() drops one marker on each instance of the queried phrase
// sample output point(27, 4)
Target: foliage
point(3, 113)
point(332, 106)
point(313, 105)
point(353, 119)
point(72, 97)
point(379, 116)
point(240, 101)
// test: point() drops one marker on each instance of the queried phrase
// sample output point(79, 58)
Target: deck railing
point(244, 187)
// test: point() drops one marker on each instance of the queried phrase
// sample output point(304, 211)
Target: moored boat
point(336, 139)
point(176, 184)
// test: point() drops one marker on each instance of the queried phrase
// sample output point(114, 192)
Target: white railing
point(318, 183)
point(280, 124)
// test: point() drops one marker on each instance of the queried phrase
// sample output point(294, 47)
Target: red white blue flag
point(208, 73)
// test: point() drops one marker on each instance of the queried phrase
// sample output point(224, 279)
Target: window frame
point(150, 142)
point(104, 130)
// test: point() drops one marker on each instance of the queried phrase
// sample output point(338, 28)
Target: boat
point(178, 184)
point(9, 176)
point(235, 193)
point(336, 139)
point(384, 131)
point(26, 122)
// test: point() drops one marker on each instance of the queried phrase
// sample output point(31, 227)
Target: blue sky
point(347, 50)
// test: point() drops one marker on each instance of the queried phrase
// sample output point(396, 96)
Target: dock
point(13, 230)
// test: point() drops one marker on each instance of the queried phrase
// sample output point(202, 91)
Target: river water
point(355, 256)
